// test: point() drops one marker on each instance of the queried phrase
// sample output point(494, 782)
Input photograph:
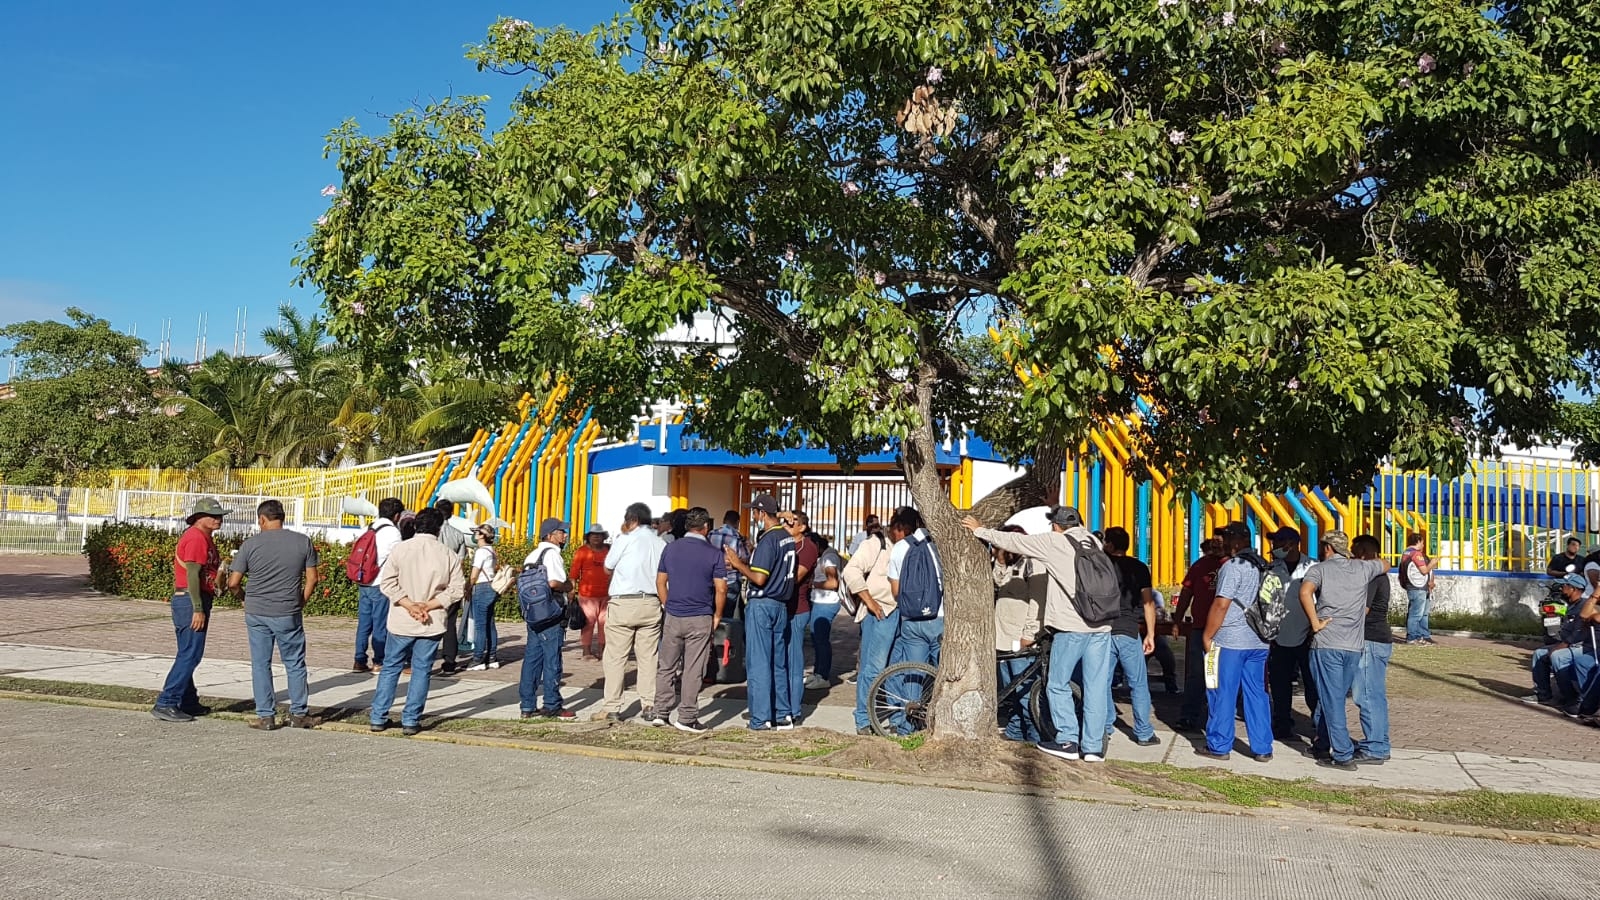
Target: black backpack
point(1098, 598)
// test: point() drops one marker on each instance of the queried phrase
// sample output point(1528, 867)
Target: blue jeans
point(1240, 670)
point(372, 623)
point(1547, 684)
point(794, 639)
point(1335, 672)
point(541, 661)
point(418, 653)
point(822, 638)
point(1372, 699)
point(916, 641)
point(1018, 720)
point(485, 637)
point(766, 623)
point(1571, 680)
point(1417, 603)
point(289, 634)
point(1128, 652)
point(179, 692)
point(1093, 651)
point(877, 640)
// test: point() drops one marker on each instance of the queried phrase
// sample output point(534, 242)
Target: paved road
point(113, 804)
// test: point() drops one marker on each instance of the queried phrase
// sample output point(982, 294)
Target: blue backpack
point(921, 587)
point(541, 607)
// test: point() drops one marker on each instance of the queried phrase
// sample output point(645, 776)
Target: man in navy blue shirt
point(692, 581)
point(771, 575)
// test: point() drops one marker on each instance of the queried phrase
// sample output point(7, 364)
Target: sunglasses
point(787, 523)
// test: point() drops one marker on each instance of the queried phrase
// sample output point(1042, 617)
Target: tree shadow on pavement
point(1054, 874)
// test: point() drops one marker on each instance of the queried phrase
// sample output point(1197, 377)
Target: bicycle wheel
point(1039, 708)
point(901, 698)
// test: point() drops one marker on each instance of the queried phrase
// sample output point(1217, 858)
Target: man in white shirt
point(372, 609)
point(633, 617)
point(921, 630)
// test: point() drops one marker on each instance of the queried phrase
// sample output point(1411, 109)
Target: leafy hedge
point(136, 561)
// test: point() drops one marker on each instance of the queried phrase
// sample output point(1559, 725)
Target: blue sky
point(161, 160)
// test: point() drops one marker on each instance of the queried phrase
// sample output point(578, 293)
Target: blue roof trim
point(686, 450)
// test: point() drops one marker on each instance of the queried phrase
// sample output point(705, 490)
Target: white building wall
point(987, 476)
point(615, 490)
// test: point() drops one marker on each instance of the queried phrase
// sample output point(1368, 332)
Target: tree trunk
point(964, 701)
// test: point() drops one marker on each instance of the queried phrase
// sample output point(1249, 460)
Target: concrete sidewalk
point(465, 698)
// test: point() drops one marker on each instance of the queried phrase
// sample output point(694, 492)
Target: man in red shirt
point(1198, 593)
point(194, 587)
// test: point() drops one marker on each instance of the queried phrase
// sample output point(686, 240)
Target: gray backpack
point(1098, 598)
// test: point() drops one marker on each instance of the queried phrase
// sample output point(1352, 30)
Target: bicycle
point(903, 693)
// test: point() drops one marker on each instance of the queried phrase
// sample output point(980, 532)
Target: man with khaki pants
point(633, 618)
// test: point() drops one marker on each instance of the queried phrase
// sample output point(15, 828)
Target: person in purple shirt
point(692, 582)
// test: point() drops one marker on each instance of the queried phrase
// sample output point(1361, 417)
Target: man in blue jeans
point(372, 610)
point(1334, 596)
point(541, 657)
point(1551, 680)
point(771, 575)
point(1075, 640)
point(282, 566)
point(1128, 647)
point(1371, 691)
point(921, 630)
point(194, 580)
point(1416, 576)
point(421, 580)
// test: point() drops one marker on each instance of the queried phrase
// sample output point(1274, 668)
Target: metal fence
point(836, 505)
point(52, 520)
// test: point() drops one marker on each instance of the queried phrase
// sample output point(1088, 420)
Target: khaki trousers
point(633, 624)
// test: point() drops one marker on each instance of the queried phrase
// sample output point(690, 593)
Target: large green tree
point(1298, 236)
point(82, 403)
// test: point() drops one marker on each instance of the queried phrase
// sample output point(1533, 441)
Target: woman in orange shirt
point(594, 588)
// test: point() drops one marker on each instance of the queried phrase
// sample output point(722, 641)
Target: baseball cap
point(550, 525)
point(1065, 516)
point(1574, 581)
point(764, 502)
point(1337, 541)
point(1234, 529)
point(1285, 535)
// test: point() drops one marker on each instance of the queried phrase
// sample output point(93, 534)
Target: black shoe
point(655, 721)
point(1061, 751)
point(692, 727)
point(1207, 752)
point(446, 672)
point(1367, 759)
point(378, 727)
point(784, 724)
point(171, 714)
point(411, 730)
point(1150, 741)
point(1348, 765)
point(1261, 757)
point(197, 710)
point(865, 730)
point(1186, 725)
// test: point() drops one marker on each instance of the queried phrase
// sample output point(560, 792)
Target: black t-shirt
point(1560, 561)
point(1135, 577)
point(1377, 622)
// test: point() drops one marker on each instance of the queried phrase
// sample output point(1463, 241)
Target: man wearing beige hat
point(1334, 596)
point(194, 587)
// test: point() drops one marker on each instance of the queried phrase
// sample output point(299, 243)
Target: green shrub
point(136, 561)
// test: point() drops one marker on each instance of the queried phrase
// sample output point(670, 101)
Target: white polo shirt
point(633, 561)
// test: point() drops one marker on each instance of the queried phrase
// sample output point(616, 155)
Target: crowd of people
point(661, 589)
point(1565, 674)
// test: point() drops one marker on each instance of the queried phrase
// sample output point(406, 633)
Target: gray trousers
point(685, 646)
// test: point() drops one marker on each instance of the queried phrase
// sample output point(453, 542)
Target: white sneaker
point(494, 664)
point(1094, 757)
point(478, 668)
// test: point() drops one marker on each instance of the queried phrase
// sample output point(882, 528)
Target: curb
point(1287, 815)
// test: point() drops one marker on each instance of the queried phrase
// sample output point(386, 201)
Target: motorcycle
point(1554, 611)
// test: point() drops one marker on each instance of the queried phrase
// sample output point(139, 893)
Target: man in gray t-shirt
point(282, 567)
point(1334, 597)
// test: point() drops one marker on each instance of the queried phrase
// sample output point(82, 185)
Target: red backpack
point(362, 563)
